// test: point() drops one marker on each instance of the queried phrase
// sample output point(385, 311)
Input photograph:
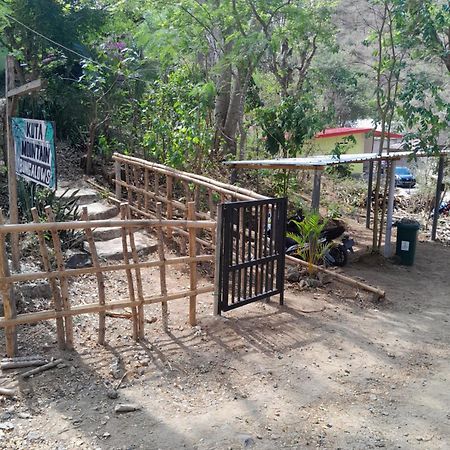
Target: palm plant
point(310, 246)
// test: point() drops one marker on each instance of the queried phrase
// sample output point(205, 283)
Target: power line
point(54, 42)
point(68, 49)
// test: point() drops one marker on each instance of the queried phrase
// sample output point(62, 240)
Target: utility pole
point(12, 93)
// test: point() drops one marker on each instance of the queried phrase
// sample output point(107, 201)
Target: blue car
point(404, 177)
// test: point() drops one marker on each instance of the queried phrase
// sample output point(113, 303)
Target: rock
point(33, 290)
point(101, 211)
point(112, 394)
point(126, 407)
point(79, 260)
point(84, 196)
point(246, 440)
point(24, 415)
point(293, 274)
point(113, 249)
point(33, 436)
point(7, 426)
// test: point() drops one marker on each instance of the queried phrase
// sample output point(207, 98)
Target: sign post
point(12, 93)
point(34, 145)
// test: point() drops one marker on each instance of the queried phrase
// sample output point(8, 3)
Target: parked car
point(404, 177)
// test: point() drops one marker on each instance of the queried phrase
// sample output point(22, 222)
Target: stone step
point(84, 196)
point(112, 249)
point(101, 211)
point(107, 233)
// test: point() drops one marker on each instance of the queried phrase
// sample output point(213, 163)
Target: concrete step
point(112, 249)
point(101, 211)
point(107, 233)
point(84, 196)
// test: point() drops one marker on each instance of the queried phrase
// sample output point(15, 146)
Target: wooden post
point(62, 279)
point(217, 269)
point(99, 275)
point(12, 180)
point(169, 206)
point(437, 200)
point(118, 177)
point(9, 304)
point(315, 202)
point(137, 271)
point(390, 209)
point(162, 269)
point(369, 195)
point(192, 266)
point(126, 259)
point(56, 294)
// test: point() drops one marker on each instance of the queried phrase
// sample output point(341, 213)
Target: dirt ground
point(331, 369)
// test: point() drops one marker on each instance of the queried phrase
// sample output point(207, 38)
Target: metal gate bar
point(251, 251)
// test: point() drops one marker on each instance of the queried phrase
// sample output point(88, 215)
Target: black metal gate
point(251, 252)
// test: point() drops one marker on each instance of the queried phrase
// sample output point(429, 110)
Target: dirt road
point(356, 375)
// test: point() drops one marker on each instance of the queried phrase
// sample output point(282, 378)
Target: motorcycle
point(336, 254)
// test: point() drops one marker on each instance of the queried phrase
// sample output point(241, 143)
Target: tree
point(425, 24)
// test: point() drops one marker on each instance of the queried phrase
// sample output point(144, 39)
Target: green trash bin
point(407, 230)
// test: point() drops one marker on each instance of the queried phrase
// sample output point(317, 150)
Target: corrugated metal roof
point(320, 161)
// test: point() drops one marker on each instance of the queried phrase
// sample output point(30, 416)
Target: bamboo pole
point(137, 272)
point(187, 195)
point(118, 178)
point(9, 304)
point(123, 215)
point(32, 276)
point(192, 267)
point(162, 270)
point(79, 225)
point(96, 308)
point(169, 207)
point(156, 184)
point(62, 279)
point(212, 213)
point(128, 183)
point(139, 196)
point(99, 276)
point(56, 294)
point(146, 188)
point(217, 266)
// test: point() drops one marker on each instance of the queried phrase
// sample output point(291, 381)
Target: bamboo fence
point(62, 308)
point(144, 183)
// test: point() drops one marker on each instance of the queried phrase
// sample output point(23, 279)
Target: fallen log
point(338, 276)
point(43, 368)
point(5, 365)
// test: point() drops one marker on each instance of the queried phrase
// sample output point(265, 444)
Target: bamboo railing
point(62, 308)
point(143, 183)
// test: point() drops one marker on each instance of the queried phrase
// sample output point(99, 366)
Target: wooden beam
point(12, 180)
point(25, 89)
